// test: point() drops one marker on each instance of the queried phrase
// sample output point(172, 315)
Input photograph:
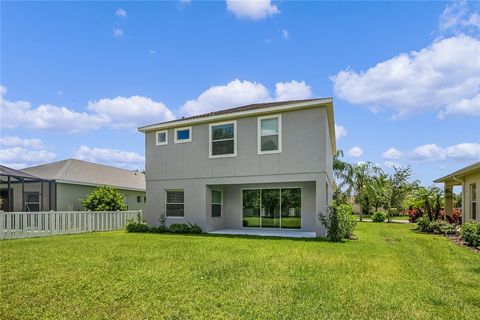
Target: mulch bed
point(459, 242)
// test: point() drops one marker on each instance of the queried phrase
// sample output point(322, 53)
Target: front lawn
point(390, 272)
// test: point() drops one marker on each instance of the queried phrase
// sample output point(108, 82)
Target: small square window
point(139, 199)
point(183, 135)
point(162, 137)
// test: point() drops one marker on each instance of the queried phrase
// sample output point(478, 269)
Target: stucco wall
point(69, 196)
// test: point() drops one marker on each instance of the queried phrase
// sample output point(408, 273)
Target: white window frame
point(234, 154)
point(473, 200)
point(167, 216)
point(166, 137)
point(259, 134)
point(212, 203)
point(39, 202)
point(175, 140)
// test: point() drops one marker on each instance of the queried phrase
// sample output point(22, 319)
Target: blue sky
point(78, 78)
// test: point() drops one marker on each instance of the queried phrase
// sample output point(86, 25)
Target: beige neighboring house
point(71, 180)
point(469, 179)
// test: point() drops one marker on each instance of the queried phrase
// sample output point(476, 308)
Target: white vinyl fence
point(40, 224)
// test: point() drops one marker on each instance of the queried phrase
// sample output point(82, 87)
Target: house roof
point(17, 174)
point(473, 168)
point(251, 110)
point(75, 171)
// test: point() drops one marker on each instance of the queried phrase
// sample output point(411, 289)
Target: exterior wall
point(31, 187)
point(303, 150)
point(467, 198)
point(305, 160)
point(69, 196)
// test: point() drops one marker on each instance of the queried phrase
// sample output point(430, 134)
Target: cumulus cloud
point(114, 157)
point(355, 152)
point(120, 12)
point(237, 93)
point(117, 32)
point(252, 9)
point(131, 112)
point(119, 112)
point(18, 157)
point(433, 152)
point(20, 142)
point(340, 131)
point(458, 18)
point(392, 154)
point(444, 77)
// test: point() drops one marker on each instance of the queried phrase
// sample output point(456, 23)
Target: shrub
point(105, 198)
point(134, 226)
point(423, 224)
point(159, 229)
point(392, 212)
point(338, 221)
point(470, 234)
point(413, 215)
point(378, 216)
point(194, 228)
point(179, 228)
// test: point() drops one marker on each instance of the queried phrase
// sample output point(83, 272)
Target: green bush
point(392, 212)
point(159, 229)
point(470, 234)
point(134, 226)
point(339, 222)
point(195, 228)
point(105, 198)
point(379, 216)
point(423, 224)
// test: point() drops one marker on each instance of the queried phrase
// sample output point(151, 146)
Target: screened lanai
point(20, 191)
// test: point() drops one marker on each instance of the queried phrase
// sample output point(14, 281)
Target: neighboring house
point(469, 179)
point(266, 165)
point(68, 181)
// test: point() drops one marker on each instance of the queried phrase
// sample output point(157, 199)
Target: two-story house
point(262, 166)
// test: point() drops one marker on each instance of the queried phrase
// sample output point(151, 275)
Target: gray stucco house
point(262, 166)
point(60, 186)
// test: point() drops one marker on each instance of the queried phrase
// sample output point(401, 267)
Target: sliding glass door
point(272, 208)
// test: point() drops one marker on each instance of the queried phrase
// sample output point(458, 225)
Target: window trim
point(259, 134)
point(212, 203)
point(167, 216)
point(158, 143)
point(230, 155)
point(175, 140)
point(473, 203)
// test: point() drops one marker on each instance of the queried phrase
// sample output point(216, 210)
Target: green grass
point(390, 272)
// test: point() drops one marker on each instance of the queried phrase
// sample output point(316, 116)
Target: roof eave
point(240, 114)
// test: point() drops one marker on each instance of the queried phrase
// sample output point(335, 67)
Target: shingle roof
point(6, 171)
point(84, 172)
point(239, 109)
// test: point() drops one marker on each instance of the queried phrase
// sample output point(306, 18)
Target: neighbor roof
point(250, 107)
point(17, 174)
point(88, 173)
point(474, 168)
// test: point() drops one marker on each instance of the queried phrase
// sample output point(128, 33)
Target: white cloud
point(285, 34)
point(18, 157)
point(131, 112)
point(292, 90)
point(121, 13)
point(117, 32)
point(252, 9)
point(114, 157)
point(118, 112)
point(237, 93)
point(432, 152)
point(391, 164)
point(355, 152)
point(340, 131)
point(20, 142)
point(392, 154)
point(444, 77)
point(458, 18)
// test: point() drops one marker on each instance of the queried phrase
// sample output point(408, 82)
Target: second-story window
point(162, 137)
point(223, 139)
point(270, 134)
point(183, 135)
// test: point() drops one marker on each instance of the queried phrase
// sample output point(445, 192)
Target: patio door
point(272, 208)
